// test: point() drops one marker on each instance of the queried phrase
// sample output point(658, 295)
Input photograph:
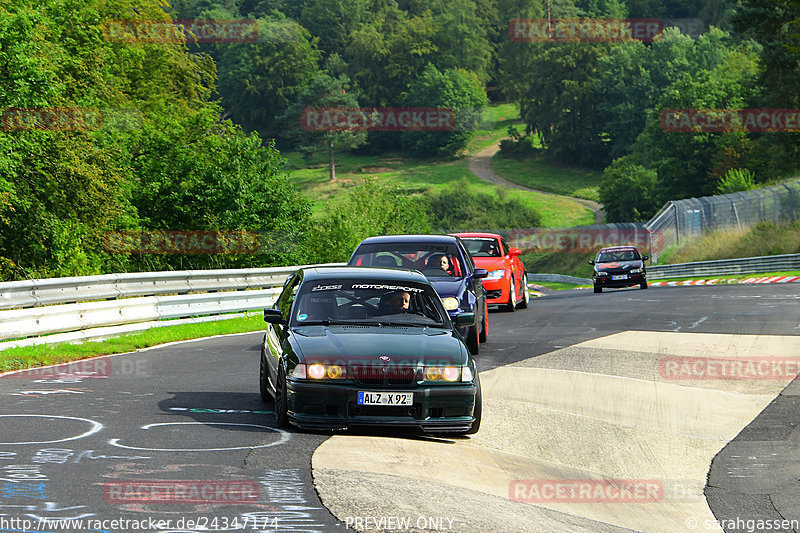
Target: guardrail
point(723, 267)
point(62, 309)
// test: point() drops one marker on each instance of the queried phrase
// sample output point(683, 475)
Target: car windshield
point(618, 255)
point(433, 260)
point(339, 301)
point(482, 246)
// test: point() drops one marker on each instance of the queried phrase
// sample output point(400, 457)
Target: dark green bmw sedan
point(367, 346)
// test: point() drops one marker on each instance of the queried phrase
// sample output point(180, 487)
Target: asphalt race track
point(670, 409)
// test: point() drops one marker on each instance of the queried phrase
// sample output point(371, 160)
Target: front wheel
point(478, 409)
point(473, 340)
point(281, 406)
point(512, 297)
point(263, 382)
point(484, 325)
point(526, 294)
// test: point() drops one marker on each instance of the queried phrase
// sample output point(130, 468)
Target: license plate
point(615, 278)
point(385, 398)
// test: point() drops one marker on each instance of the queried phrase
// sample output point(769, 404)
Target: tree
point(324, 93)
point(690, 163)
point(628, 192)
point(453, 89)
point(259, 81)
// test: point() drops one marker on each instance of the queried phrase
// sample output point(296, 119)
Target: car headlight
point(602, 273)
point(442, 373)
point(496, 274)
point(466, 374)
point(636, 271)
point(450, 303)
point(319, 371)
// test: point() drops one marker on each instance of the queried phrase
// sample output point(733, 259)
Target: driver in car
point(400, 301)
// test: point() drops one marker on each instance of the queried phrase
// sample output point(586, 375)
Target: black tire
point(473, 340)
point(526, 295)
point(598, 289)
point(484, 329)
point(263, 382)
point(643, 285)
point(511, 306)
point(478, 409)
point(281, 407)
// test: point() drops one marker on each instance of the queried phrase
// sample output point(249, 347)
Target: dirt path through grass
point(480, 165)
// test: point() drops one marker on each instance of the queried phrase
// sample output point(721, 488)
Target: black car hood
point(618, 266)
point(408, 345)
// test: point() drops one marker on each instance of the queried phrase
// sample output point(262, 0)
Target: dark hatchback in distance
point(617, 267)
point(447, 264)
point(351, 346)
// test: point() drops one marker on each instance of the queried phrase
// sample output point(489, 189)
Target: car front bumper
point(497, 291)
point(334, 406)
point(629, 281)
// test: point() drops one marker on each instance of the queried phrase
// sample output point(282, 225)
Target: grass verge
point(765, 238)
point(536, 173)
point(50, 354)
point(567, 286)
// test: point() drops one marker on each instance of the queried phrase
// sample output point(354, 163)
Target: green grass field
point(536, 173)
point(49, 354)
point(417, 174)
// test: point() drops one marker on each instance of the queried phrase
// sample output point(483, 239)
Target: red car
point(507, 282)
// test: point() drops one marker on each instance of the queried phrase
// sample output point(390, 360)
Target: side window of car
point(286, 298)
point(505, 247)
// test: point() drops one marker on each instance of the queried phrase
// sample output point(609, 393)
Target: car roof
point(479, 235)
point(359, 272)
point(618, 249)
point(427, 239)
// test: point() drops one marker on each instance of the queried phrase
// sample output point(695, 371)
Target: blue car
point(444, 260)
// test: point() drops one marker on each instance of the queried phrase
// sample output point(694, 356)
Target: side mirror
point(480, 273)
point(645, 257)
point(273, 316)
point(514, 251)
point(590, 262)
point(465, 319)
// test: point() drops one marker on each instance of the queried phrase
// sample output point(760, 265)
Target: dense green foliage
point(162, 157)
point(190, 132)
point(368, 209)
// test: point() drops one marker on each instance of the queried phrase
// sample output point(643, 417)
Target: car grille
point(385, 375)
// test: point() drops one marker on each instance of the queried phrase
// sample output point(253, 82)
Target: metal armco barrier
point(92, 306)
point(722, 267)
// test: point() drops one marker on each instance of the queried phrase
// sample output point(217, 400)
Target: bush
point(456, 207)
point(517, 145)
point(736, 180)
point(368, 209)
